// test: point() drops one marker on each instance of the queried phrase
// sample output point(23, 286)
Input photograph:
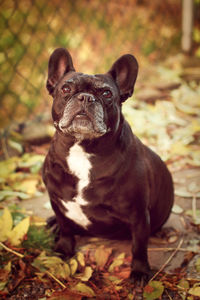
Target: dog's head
point(88, 106)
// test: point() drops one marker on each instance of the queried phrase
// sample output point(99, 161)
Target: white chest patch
point(79, 165)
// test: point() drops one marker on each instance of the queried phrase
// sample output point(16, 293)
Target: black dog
point(102, 181)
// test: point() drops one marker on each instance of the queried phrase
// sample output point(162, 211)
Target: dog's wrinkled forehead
point(90, 82)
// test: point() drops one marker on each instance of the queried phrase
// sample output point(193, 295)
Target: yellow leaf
point(184, 284)
point(17, 234)
point(115, 279)
point(179, 149)
point(28, 160)
point(61, 270)
point(87, 274)
point(28, 185)
point(6, 223)
point(54, 264)
point(17, 146)
point(195, 155)
point(101, 256)
point(195, 291)
point(80, 259)
point(8, 166)
point(83, 288)
point(38, 221)
point(195, 126)
point(73, 266)
point(8, 266)
point(118, 261)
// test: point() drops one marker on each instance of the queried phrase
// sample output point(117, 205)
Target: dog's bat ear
point(124, 72)
point(60, 63)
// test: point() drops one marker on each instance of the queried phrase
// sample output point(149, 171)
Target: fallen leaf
point(101, 256)
point(195, 158)
point(65, 295)
point(130, 297)
point(193, 246)
point(86, 274)
point(8, 166)
point(177, 209)
point(61, 270)
point(118, 261)
point(2, 285)
point(6, 224)
point(195, 290)
point(83, 288)
point(182, 192)
point(8, 266)
point(73, 266)
point(114, 279)
point(29, 160)
point(153, 290)
point(124, 273)
point(38, 221)
point(54, 264)
point(16, 146)
point(179, 148)
point(38, 264)
point(36, 167)
point(8, 193)
point(27, 185)
point(197, 264)
point(4, 274)
point(184, 284)
point(19, 231)
point(181, 97)
point(80, 258)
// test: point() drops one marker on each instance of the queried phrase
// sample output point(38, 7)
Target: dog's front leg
point(140, 230)
point(65, 235)
point(65, 245)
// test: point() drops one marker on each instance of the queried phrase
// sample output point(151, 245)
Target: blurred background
point(164, 111)
point(95, 32)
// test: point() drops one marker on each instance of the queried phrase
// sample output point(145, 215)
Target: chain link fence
point(95, 32)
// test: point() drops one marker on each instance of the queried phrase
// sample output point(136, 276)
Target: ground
point(183, 230)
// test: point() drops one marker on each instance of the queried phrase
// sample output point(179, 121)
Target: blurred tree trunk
point(187, 24)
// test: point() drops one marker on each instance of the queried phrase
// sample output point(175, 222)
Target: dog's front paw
point(65, 246)
point(140, 279)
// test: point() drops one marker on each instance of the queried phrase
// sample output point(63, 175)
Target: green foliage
point(17, 214)
point(148, 47)
point(39, 238)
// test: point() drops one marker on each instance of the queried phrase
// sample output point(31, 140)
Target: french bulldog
point(101, 179)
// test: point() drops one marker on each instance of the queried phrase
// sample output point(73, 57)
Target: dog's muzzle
point(83, 117)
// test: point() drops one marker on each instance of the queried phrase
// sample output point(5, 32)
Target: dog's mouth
point(81, 116)
point(83, 125)
point(82, 122)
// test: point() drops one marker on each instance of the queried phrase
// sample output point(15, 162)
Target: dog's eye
point(66, 89)
point(107, 94)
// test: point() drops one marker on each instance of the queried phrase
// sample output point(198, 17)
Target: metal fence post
point(187, 24)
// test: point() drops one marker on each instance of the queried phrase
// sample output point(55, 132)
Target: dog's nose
point(86, 97)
